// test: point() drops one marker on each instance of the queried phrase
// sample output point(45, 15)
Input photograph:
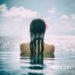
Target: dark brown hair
point(37, 28)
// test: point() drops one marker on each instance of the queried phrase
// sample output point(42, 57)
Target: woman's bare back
point(48, 50)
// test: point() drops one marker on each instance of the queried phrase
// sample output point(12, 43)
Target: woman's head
point(37, 26)
point(37, 31)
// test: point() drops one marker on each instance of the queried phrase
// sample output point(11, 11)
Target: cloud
point(17, 12)
point(47, 18)
point(64, 16)
point(73, 16)
point(3, 9)
point(52, 10)
point(17, 19)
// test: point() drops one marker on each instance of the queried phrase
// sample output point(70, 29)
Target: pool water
point(11, 63)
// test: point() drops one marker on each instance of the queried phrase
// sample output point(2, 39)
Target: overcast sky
point(16, 16)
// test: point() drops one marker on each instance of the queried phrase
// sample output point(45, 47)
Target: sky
point(16, 16)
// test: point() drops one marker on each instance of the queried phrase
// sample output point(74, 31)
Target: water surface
point(12, 64)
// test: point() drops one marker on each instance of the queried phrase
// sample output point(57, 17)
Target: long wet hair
point(37, 31)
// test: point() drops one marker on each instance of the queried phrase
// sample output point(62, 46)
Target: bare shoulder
point(24, 49)
point(51, 48)
point(23, 46)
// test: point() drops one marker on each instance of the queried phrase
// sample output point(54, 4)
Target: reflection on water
point(36, 59)
point(37, 64)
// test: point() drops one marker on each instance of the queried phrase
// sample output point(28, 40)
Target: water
point(12, 64)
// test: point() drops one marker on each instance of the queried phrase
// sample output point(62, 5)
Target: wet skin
point(48, 50)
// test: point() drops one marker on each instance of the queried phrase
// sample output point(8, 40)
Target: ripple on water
point(11, 63)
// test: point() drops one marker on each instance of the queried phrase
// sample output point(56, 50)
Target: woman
point(37, 45)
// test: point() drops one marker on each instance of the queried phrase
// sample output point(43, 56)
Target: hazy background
point(16, 16)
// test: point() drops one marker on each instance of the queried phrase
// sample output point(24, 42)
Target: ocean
point(11, 62)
